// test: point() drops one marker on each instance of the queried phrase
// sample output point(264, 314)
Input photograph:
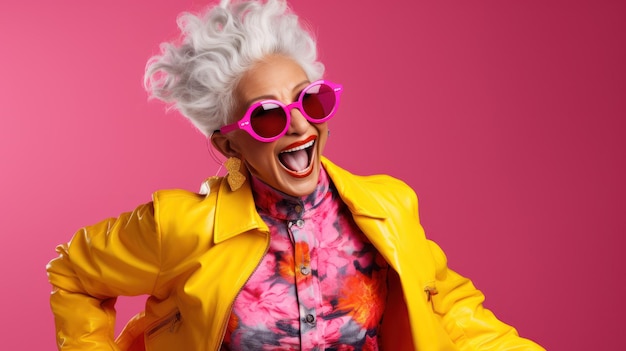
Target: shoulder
point(178, 197)
point(175, 202)
point(380, 184)
point(175, 196)
point(185, 222)
point(178, 209)
point(388, 188)
point(384, 182)
point(373, 195)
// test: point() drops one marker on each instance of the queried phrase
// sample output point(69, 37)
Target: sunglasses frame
point(245, 122)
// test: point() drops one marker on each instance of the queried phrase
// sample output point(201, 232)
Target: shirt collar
point(283, 206)
point(353, 192)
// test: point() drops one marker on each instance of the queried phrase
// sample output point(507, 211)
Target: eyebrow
point(295, 89)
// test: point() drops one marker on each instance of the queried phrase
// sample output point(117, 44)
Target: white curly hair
point(198, 77)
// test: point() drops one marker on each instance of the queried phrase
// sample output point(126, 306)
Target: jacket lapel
point(229, 222)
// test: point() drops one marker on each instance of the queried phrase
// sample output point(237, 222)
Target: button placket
point(303, 239)
point(300, 223)
point(309, 318)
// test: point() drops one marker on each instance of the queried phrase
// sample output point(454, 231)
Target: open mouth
point(298, 157)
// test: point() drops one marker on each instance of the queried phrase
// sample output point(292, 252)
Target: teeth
point(301, 147)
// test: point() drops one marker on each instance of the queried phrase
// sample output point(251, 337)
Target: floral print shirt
point(321, 286)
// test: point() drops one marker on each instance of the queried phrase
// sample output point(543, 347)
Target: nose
point(298, 124)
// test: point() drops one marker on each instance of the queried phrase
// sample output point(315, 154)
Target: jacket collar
point(235, 212)
point(354, 193)
point(229, 222)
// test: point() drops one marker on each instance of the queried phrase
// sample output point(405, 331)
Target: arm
point(112, 258)
point(469, 324)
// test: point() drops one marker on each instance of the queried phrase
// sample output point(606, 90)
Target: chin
point(303, 186)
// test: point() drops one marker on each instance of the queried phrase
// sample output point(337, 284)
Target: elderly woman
point(287, 251)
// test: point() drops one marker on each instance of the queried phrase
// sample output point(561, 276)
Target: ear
point(224, 145)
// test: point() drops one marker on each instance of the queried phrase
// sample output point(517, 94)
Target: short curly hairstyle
point(198, 77)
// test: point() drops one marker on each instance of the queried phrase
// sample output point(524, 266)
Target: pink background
point(507, 118)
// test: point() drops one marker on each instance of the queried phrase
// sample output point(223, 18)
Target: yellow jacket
point(192, 254)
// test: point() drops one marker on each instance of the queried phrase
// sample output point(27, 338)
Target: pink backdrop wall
point(507, 117)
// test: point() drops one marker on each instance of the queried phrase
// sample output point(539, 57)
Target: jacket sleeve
point(469, 324)
point(112, 258)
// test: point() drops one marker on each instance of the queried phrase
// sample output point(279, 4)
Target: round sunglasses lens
point(319, 101)
point(268, 120)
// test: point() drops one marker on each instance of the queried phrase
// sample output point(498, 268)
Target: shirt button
point(305, 270)
point(310, 318)
point(298, 208)
point(300, 223)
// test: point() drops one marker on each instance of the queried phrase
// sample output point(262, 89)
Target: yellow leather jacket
point(191, 254)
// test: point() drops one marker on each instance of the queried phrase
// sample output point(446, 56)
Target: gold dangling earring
point(234, 177)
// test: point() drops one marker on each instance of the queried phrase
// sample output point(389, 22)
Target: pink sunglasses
point(268, 120)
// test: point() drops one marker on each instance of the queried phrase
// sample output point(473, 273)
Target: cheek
point(323, 137)
point(245, 145)
point(259, 160)
point(258, 153)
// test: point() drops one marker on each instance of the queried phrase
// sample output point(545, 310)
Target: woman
point(287, 251)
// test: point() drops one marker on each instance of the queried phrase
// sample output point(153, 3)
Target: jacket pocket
point(169, 324)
